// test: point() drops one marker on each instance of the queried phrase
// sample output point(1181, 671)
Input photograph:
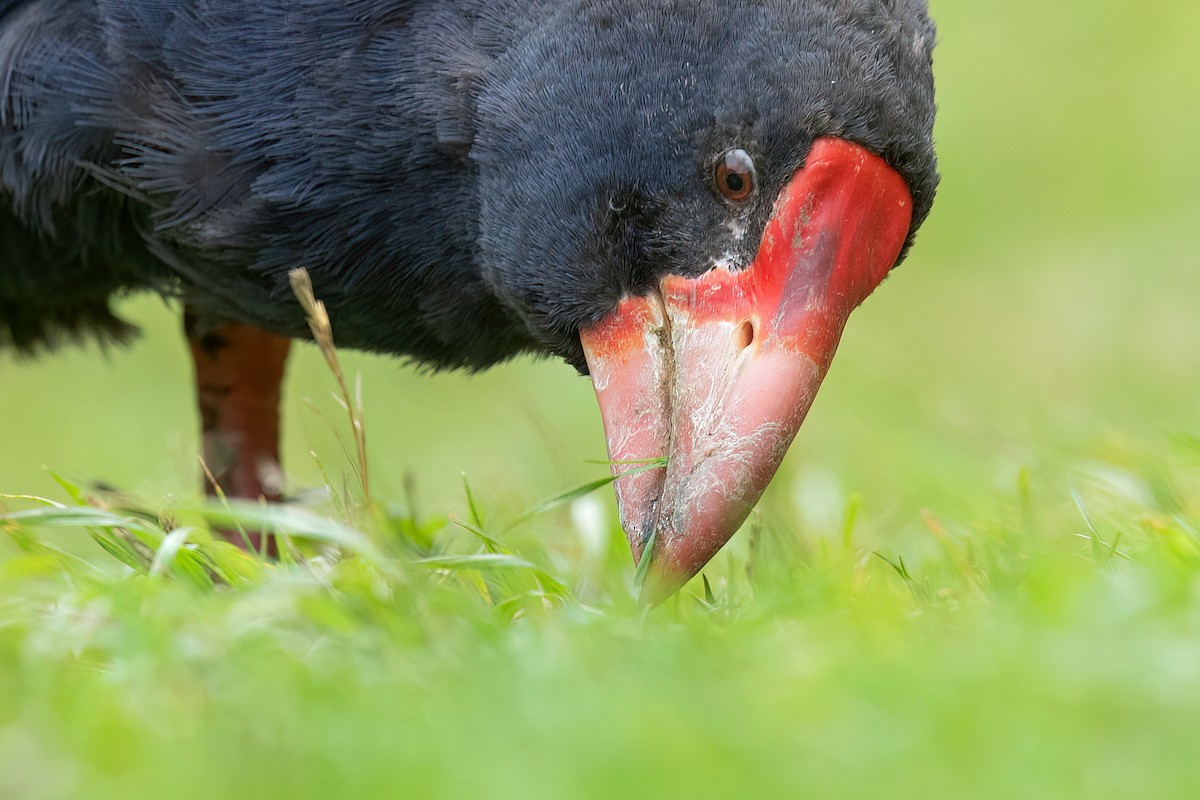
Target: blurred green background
point(1049, 308)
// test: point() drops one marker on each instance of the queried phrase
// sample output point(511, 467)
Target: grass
point(1051, 650)
point(977, 574)
point(1047, 648)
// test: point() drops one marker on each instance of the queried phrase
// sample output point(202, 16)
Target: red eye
point(734, 176)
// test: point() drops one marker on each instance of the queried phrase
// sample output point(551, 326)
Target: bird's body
point(464, 180)
point(209, 148)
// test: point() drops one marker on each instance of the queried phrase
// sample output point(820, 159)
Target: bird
point(682, 199)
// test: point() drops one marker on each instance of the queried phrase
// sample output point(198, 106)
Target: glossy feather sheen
point(463, 180)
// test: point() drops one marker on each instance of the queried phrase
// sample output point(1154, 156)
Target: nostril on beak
point(743, 337)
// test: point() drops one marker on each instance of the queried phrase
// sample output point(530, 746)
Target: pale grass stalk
point(322, 331)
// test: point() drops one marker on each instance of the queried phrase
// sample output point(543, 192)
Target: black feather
point(464, 179)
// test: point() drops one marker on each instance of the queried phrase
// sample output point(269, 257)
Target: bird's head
point(687, 199)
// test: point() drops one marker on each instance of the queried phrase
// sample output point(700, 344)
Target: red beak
point(716, 373)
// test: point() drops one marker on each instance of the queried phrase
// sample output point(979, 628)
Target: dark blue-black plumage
point(464, 179)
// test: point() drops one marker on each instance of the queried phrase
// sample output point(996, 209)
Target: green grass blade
point(581, 490)
point(164, 557)
point(643, 565)
point(61, 516)
point(294, 521)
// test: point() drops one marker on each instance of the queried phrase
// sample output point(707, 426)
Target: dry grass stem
point(322, 331)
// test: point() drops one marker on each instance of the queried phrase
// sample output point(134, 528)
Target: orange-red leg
point(239, 377)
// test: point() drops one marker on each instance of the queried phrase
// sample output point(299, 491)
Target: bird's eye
point(735, 177)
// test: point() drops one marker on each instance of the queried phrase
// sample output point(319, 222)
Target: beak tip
point(659, 586)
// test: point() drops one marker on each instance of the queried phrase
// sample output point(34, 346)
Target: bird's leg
point(239, 374)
